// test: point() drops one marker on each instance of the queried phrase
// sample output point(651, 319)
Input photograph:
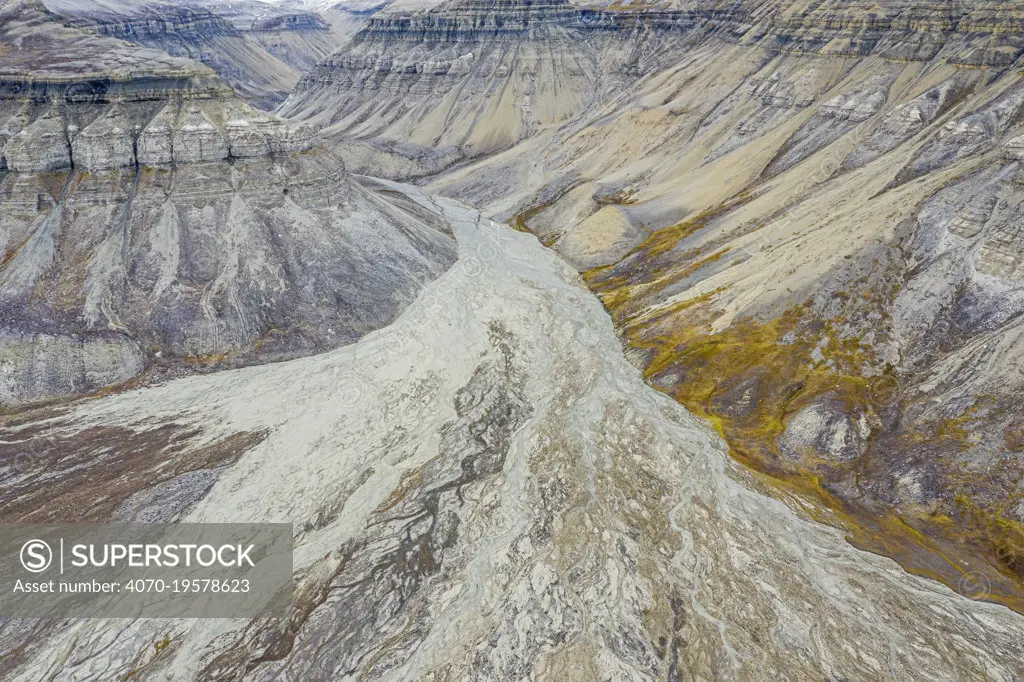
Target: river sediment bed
point(692, 352)
point(487, 488)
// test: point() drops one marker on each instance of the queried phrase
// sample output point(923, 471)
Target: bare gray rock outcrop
point(196, 32)
point(161, 223)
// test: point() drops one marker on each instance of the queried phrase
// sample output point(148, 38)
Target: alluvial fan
point(486, 489)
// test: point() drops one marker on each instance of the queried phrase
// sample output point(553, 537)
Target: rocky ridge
point(123, 133)
point(433, 87)
point(194, 32)
point(301, 21)
point(382, 87)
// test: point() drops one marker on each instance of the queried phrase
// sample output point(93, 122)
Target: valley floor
point(486, 489)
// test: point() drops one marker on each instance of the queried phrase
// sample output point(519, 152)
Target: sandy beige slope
point(804, 219)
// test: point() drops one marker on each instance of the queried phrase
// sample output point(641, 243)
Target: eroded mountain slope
point(425, 82)
point(152, 220)
point(803, 218)
point(301, 39)
point(260, 49)
point(194, 32)
point(485, 489)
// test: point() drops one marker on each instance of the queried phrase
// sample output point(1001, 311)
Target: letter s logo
point(36, 556)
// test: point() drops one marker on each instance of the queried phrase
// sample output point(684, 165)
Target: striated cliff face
point(194, 32)
point(154, 221)
point(802, 217)
point(301, 21)
point(453, 83)
point(51, 52)
point(431, 88)
point(122, 133)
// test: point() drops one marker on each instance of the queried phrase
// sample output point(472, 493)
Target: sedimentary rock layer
point(150, 219)
point(123, 128)
point(445, 77)
point(39, 47)
point(303, 39)
point(194, 32)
